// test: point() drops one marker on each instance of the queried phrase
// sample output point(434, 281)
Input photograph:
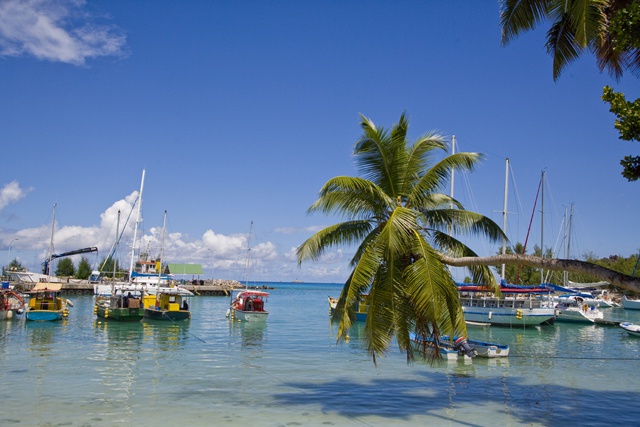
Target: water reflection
point(41, 335)
point(117, 350)
point(166, 336)
point(250, 334)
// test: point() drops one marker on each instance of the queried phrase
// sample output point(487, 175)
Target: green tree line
point(67, 268)
point(527, 275)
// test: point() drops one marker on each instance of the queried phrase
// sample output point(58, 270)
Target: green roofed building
point(185, 269)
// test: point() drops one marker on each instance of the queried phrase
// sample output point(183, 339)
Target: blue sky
point(240, 111)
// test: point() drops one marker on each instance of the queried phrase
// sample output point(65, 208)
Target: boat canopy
point(507, 288)
point(46, 287)
point(253, 293)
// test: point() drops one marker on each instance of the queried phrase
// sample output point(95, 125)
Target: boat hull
point(630, 304)
point(631, 329)
point(171, 315)
point(505, 316)
point(484, 348)
point(578, 315)
point(489, 350)
point(44, 315)
point(250, 316)
point(120, 314)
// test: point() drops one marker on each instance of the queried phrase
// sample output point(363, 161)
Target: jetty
point(216, 287)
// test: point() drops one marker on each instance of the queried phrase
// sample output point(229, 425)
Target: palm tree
point(576, 25)
point(402, 225)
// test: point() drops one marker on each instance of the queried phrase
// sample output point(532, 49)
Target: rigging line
point(514, 184)
point(176, 323)
point(112, 251)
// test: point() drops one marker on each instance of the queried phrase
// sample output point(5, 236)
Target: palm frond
point(517, 16)
point(463, 222)
point(345, 233)
point(438, 175)
point(351, 197)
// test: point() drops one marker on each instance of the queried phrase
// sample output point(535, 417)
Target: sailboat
point(44, 303)
point(169, 302)
point(248, 305)
point(522, 307)
point(123, 303)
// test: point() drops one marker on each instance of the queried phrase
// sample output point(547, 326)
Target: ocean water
point(291, 372)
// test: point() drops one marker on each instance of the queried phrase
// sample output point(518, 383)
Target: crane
point(45, 264)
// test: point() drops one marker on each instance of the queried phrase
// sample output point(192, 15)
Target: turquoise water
point(291, 372)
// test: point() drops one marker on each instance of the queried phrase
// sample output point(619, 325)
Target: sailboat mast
point(453, 151)
point(135, 230)
point(542, 226)
point(164, 227)
point(504, 213)
point(53, 225)
point(246, 272)
point(569, 240)
point(115, 249)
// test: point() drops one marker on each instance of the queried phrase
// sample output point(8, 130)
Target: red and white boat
point(248, 306)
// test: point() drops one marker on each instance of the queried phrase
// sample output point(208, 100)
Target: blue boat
point(45, 305)
point(361, 308)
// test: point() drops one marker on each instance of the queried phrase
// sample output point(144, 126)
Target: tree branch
point(618, 279)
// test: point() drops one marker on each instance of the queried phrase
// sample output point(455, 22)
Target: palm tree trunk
point(617, 279)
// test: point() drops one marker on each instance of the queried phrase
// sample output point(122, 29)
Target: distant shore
point(215, 287)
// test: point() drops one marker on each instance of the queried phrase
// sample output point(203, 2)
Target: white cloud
point(224, 256)
point(224, 246)
point(51, 31)
point(11, 193)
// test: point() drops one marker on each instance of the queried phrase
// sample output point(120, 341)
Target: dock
point(219, 288)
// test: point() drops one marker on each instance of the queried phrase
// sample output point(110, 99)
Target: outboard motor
point(463, 347)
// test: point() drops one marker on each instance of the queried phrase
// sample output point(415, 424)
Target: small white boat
point(631, 328)
point(577, 310)
point(447, 349)
point(630, 304)
point(248, 306)
point(484, 348)
point(489, 349)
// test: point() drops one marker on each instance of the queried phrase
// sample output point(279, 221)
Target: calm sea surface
point(291, 372)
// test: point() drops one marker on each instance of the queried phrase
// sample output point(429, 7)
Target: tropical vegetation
point(401, 224)
point(610, 29)
point(84, 269)
point(65, 268)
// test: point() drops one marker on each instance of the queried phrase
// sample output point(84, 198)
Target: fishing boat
point(577, 310)
point(123, 304)
point(442, 348)
point(632, 329)
point(169, 303)
point(361, 308)
point(484, 348)
point(519, 305)
point(248, 305)
point(123, 301)
point(45, 305)
point(630, 304)
point(11, 302)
